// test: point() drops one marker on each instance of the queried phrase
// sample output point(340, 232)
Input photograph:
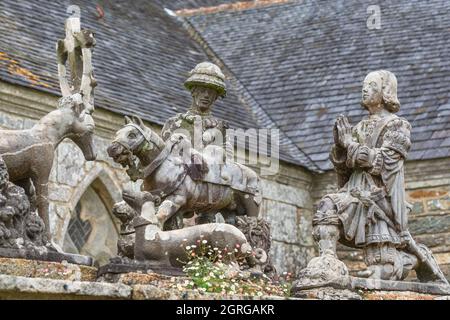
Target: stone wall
point(428, 189)
point(287, 203)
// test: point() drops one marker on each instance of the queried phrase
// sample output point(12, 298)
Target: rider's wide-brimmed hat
point(209, 75)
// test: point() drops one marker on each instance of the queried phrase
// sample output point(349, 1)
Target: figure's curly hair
point(389, 90)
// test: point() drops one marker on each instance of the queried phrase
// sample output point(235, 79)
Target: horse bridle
point(145, 137)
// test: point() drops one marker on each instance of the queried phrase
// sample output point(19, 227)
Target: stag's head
point(134, 139)
point(80, 123)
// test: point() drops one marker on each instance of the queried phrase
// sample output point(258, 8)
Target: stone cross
point(76, 51)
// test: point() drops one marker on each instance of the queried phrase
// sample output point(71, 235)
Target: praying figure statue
point(370, 211)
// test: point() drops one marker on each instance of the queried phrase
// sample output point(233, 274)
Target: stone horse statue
point(29, 154)
point(182, 180)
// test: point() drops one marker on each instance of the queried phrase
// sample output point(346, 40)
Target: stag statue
point(29, 154)
point(182, 179)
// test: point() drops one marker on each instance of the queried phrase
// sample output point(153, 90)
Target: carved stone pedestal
point(117, 267)
point(351, 288)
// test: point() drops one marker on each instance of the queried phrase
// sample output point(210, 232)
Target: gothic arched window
point(92, 230)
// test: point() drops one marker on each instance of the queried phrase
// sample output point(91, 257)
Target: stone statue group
point(184, 175)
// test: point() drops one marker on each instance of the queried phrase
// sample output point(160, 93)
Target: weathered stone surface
point(283, 220)
point(434, 240)
point(417, 208)
point(134, 278)
point(102, 144)
point(8, 122)
point(290, 257)
point(59, 220)
point(118, 267)
point(70, 164)
point(442, 204)
point(387, 285)
point(397, 295)
point(152, 292)
point(328, 293)
point(285, 193)
point(28, 123)
point(59, 192)
point(48, 270)
point(13, 287)
point(304, 218)
point(430, 224)
point(356, 283)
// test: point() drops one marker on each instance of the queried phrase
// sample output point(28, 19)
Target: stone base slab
point(13, 287)
point(46, 256)
point(329, 293)
point(134, 286)
point(46, 269)
point(356, 284)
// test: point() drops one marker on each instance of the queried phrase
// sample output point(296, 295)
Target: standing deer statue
point(29, 154)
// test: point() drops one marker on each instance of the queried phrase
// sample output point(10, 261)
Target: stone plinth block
point(45, 269)
point(113, 271)
point(12, 287)
point(370, 289)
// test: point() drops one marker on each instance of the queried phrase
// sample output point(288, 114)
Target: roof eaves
point(226, 7)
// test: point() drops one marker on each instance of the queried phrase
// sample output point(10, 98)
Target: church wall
point(287, 203)
point(287, 206)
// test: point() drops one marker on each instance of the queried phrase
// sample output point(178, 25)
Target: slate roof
point(304, 63)
point(142, 57)
point(294, 66)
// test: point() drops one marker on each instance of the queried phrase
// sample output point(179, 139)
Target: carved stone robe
point(371, 202)
point(203, 130)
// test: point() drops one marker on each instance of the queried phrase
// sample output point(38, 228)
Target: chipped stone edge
point(17, 287)
point(355, 283)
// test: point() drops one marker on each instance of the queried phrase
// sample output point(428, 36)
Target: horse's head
point(80, 124)
point(134, 139)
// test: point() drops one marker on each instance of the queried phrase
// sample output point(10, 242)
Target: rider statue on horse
point(185, 171)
